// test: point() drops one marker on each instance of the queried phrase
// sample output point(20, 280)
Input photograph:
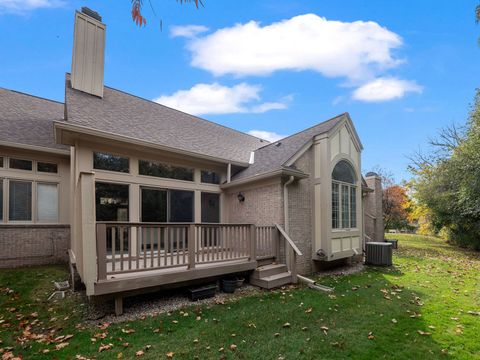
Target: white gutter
point(285, 203)
point(35, 148)
point(288, 172)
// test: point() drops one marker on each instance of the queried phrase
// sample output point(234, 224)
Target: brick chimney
point(88, 52)
point(373, 209)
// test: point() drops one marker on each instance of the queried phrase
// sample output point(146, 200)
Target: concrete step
point(268, 270)
point(273, 281)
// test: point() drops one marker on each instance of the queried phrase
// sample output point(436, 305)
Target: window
point(153, 168)
point(210, 177)
point(335, 206)
point(344, 196)
point(105, 161)
point(1, 161)
point(181, 206)
point(1, 199)
point(47, 202)
point(20, 164)
point(20, 201)
point(47, 167)
point(111, 202)
point(210, 208)
point(154, 205)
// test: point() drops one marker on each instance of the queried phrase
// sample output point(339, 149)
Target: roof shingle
point(273, 156)
point(28, 120)
point(127, 115)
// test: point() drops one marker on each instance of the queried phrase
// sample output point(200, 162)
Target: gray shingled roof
point(28, 120)
point(127, 115)
point(272, 157)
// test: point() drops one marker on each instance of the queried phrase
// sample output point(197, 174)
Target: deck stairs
point(271, 276)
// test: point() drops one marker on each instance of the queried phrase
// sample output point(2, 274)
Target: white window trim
point(340, 212)
point(34, 214)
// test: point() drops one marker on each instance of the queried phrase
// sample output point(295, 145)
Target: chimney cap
point(93, 14)
point(371, 173)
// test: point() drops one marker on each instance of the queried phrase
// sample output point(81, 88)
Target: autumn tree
point(394, 203)
point(138, 6)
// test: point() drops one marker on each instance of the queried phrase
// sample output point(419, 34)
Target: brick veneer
point(27, 245)
point(300, 202)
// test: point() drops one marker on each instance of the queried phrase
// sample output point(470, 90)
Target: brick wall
point(263, 204)
point(300, 203)
point(27, 245)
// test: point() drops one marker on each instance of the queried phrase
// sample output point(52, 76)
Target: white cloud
point(188, 31)
point(218, 99)
point(22, 6)
point(384, 89)
point(354, 50)
point(266, 135)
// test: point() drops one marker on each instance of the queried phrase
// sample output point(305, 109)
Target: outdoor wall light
point(241, 197)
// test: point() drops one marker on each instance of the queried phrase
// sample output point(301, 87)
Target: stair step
point(273, 281)
point(268, 270)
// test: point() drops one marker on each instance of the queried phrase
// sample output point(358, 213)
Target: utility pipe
point(286, 221)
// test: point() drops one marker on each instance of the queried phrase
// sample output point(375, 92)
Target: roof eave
point(35, 148)
point(60, 127)
point(279, 172)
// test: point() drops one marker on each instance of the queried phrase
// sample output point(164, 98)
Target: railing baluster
point(152, 245)
point(137, 250)
point(178, 231)
point(113, 247)
point(144, 242)
point(120, 230)
point(191, 246)
point(129, 242)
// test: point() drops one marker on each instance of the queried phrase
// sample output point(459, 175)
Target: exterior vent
point(378, 253)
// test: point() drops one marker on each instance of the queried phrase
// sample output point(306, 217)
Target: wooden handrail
point(186, 224)
point(290, 241)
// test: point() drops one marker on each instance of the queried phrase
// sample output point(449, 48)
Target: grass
point(418, 309)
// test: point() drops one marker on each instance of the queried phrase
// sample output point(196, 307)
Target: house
point(136, 195)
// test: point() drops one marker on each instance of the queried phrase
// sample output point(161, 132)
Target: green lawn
point(426, 307)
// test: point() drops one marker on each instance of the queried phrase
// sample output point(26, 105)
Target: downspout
point(285, 203)
point(286, 221)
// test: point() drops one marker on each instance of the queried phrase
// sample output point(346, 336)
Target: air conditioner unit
point(378, 253)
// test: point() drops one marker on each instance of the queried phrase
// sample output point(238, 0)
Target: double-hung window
point(344, 196)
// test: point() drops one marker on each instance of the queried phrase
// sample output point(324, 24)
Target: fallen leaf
point(139, 353)
point(233, 347)
point(61, 345)
point(286, 325)
point(170, 354)
point(105, 347)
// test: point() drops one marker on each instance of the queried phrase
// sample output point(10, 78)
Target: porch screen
point(111, 202)
point(210, 208)
point(154, 205)
point(166, 205)
point(181, 206)
point(20, 201)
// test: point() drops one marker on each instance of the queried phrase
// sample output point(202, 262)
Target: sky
point(401, 69)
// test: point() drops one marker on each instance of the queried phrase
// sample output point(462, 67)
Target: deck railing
point(268, 246)
point(126, 247)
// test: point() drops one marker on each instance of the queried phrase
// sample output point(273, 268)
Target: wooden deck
point(133, 256)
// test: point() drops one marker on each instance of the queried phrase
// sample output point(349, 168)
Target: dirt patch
point(153, 304)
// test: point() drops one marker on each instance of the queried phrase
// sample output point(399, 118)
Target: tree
point(137, 8)
point(394, 203)
point(448, 183)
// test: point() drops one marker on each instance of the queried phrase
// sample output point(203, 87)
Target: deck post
point(118, 305)
point(88, 237)
point(102, 251)
point(191, 246)
point(253, 243)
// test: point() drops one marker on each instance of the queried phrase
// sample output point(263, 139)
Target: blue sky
point(401, 69)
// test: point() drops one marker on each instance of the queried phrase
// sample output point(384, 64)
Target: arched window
point(344, 196)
